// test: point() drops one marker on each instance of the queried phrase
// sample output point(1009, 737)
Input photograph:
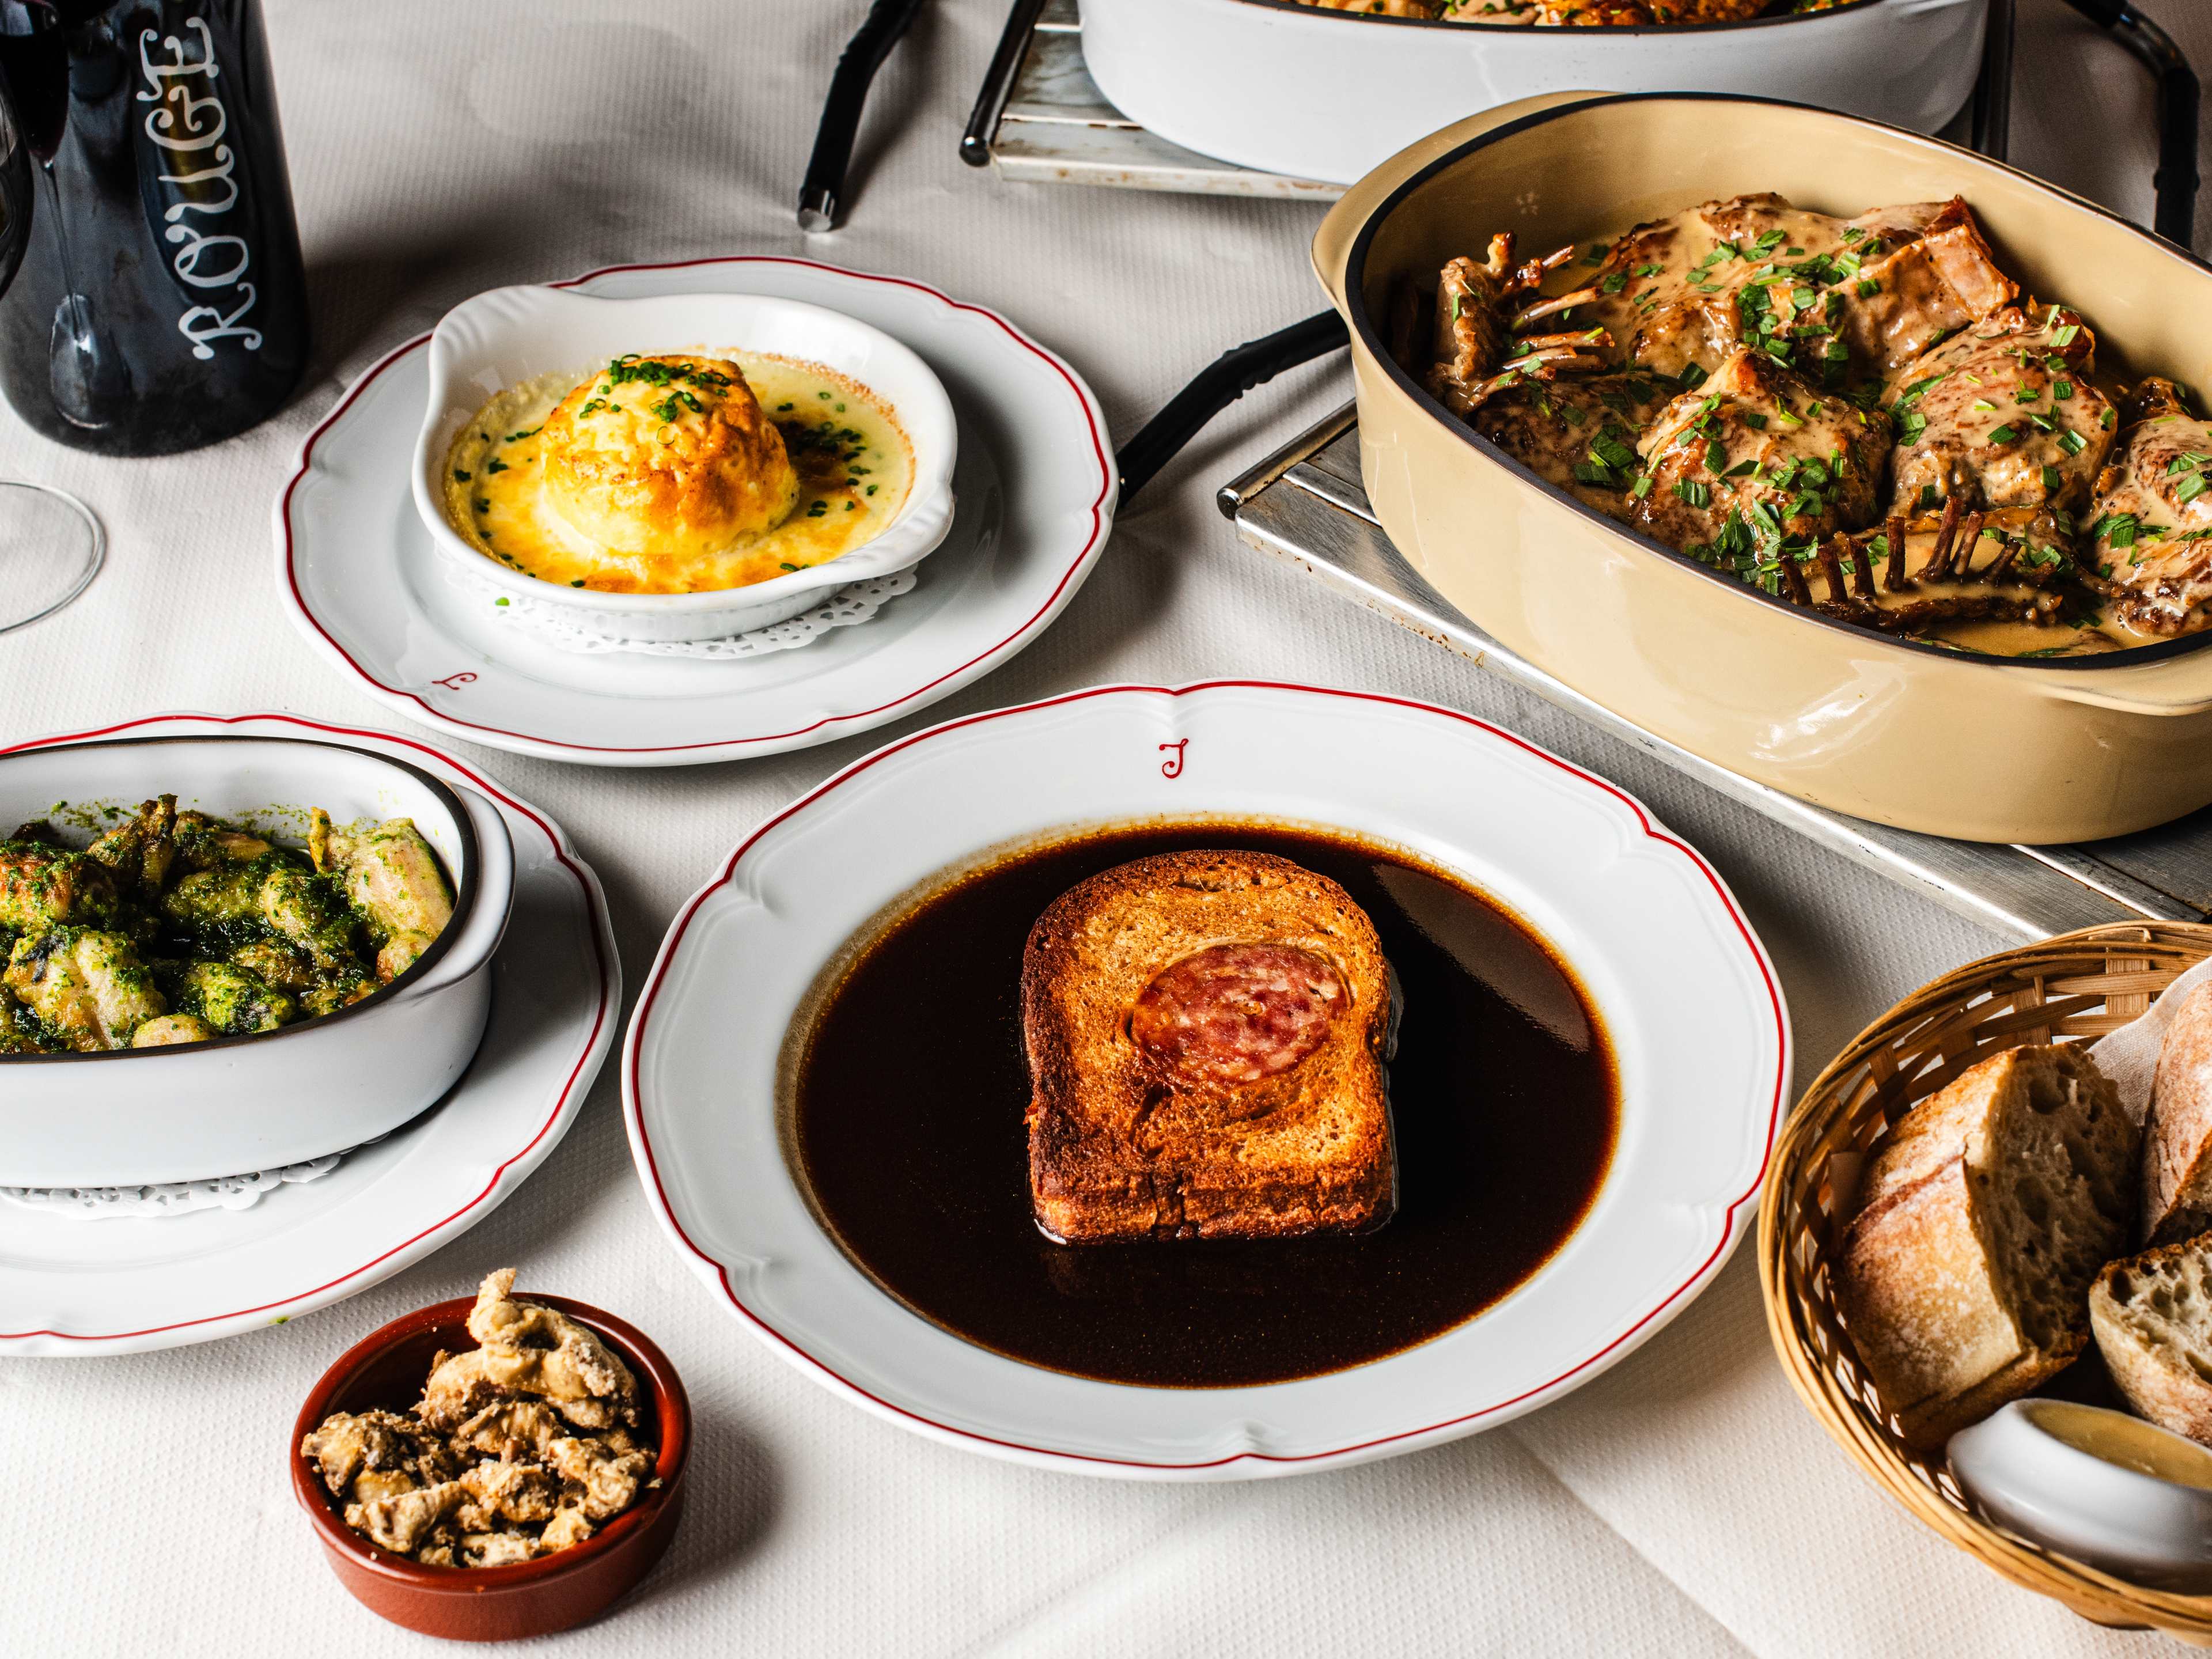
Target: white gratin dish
point(142, 1115)
point(1329, 95)
point(511, 335)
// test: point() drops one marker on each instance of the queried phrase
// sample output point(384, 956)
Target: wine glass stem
point(80, 325)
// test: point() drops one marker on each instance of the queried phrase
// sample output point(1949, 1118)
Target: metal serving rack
point(1042, 119)
point(1304, 504)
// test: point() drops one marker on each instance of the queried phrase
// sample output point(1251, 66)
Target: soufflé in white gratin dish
point(677, 468)
point(678, 473)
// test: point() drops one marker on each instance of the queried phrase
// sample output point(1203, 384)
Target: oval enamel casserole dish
point(2024, 749)
point(262, 1098)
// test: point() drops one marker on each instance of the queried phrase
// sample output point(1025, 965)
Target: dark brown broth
point(907, 1120)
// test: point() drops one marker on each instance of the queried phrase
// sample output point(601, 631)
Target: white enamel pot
point(1328, 95)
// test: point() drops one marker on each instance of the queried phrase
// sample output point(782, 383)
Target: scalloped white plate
point(1034, 479)
point(128, 1286)
point(1696, 1016)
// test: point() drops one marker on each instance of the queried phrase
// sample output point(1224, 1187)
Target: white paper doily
point(237, 1192)
point(556, 626)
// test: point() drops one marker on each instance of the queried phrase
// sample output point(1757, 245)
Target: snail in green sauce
point(177, 927)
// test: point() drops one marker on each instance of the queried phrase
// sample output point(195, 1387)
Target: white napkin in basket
point(2130, 1055)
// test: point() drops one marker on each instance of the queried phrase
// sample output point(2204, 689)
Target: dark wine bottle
point(161, 304)
point(14, 195)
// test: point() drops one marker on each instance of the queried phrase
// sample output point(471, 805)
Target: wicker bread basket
point(2076, 986)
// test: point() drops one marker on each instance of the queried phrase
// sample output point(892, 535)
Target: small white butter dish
point(2111, 1491)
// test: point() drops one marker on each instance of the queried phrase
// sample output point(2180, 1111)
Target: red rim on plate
point(1099, 524)
point(476, 781)
point(634, 1112)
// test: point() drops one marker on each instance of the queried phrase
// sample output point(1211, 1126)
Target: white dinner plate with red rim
point(1693, 1007)
point(1035, 488)
point(128, 1286)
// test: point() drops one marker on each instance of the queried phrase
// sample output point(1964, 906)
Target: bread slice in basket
point(1207, 1036)
point(1986, 1213)
point(2177, 1159)
point(2153, 1316)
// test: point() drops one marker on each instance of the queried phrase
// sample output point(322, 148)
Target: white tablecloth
point(1683, 1504)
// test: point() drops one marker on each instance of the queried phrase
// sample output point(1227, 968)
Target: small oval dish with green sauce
point(267, 890)
point(175, 926)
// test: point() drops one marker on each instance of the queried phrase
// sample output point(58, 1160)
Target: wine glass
point(51, 544)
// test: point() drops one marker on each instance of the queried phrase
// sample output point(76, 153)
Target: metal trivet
point(1042, 119)
point(1304, 504)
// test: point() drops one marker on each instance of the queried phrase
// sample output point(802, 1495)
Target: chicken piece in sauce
point(2003, 414)
point(1578, 435)
point(1900, 305)
point(1682, 293)
point(1756, 457)
point(1481, 348)
point(43, 885)
point(88, 987)
point(2152, 535)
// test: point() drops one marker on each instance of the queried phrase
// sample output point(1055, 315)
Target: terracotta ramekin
point(386, 1369)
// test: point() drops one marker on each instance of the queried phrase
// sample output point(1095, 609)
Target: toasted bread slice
point(1207, 1036)
point(1987, 1211)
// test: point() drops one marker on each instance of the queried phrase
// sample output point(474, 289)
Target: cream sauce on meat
point(1667, 291)
point(2154, 533)
point(2002, 414)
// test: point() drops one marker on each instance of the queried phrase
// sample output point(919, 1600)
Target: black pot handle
point(1222, 382)
point(999, 83)
point(1991, 132)
point(2178, 98)
point(820, 193)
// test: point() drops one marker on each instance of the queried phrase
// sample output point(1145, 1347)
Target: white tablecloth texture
point(1682, 1504)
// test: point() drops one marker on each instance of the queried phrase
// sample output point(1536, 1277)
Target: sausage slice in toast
point(1207, 1033)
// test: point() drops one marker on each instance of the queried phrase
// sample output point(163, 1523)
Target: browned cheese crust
point(1130, 1139)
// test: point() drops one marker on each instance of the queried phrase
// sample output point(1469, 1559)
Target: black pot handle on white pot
point(2180, 97)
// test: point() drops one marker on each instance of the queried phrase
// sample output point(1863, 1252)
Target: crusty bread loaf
point(1206, 1035)
point(2177, 1155)
point(1985, 1214)
point(2153, 1316)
